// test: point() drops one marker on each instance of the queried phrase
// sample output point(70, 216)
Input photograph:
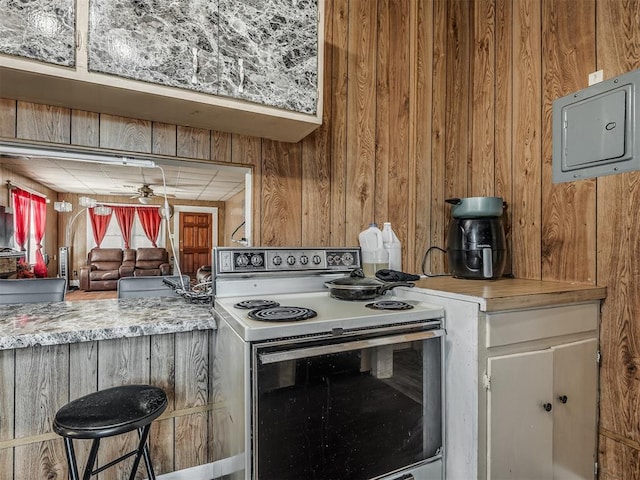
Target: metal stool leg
point(141, 444)
point(71, 459)
point(91, 461)
point(147, 459)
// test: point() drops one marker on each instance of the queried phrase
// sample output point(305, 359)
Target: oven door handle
point(298, 353)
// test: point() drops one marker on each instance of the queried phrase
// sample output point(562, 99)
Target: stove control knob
point(291, 260)
point(316, 260)
point(347, 259)
point(242, 260)
point(256, 260)
point(304, 259)
point(277, 260)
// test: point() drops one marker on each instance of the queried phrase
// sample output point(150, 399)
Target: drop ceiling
point(184, 179)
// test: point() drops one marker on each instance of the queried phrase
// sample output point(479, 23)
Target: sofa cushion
point(105, 255)
point(105, 265)
point(157, 255)
point(102, 275)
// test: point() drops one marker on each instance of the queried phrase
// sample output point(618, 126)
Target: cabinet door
point(40, 29)
point(519, 429)
point(167, 43)
point(575, 386)
point(269, 52)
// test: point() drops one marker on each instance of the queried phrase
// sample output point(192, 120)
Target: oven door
point(348, 408)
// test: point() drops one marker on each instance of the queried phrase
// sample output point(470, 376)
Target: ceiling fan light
point(144, 200)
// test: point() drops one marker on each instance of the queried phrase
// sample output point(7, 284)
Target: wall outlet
point(595, 77)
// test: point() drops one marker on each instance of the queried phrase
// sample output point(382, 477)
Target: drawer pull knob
point(563, 398)
point(547, 407)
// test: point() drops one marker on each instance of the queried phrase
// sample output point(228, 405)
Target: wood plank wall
point(429, 99)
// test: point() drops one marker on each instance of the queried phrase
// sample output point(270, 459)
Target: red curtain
point(124, 216)
point(22, 208)
point(39, 222)
point(150, 219)
point(99, 224)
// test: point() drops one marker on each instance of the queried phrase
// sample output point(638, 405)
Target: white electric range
point(359, 390)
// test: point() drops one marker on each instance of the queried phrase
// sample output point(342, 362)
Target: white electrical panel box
point(594, 130)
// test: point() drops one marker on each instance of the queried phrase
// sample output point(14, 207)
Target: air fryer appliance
point(476, 247)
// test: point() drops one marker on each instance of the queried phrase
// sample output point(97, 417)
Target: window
point(113, 237)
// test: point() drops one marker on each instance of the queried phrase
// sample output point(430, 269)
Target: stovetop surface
point(332, 314)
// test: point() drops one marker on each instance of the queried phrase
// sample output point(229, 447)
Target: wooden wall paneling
point(392, 184)
point(618, 235)
point(191, 390)
point(162, 375)
point(246, 149)
point(361, 122)
point(121, 133)
point(316, 161)
point(85, 128)
point(8, 117)
point(281, 193)
point(421, 105)
point(221, 147)
point(380, 108)
point(458, 97)
point(337, 63)
point(42, 389)
point(44, 123)
point(482, 152)
point(568, 209)
point(193, 143)
point(123, 361)
point(504, 101)
point(439, 211)
point(164, 138)
point(526, 208)
point(7, 409)
point(82, 381)
point(617, 460)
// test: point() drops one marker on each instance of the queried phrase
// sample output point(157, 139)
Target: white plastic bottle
point(392, 245)
point(374, 255)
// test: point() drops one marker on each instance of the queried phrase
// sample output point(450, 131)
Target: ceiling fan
point(145, 193)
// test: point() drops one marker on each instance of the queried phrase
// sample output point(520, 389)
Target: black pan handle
point(390, 285)
point(454, 201)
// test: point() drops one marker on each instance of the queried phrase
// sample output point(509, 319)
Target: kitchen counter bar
point(58, 323)
point(511, 293)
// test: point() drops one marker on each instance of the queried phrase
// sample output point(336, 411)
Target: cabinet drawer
point(505, 328)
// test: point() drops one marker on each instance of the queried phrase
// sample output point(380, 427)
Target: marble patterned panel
point(39, 29)
point(167, 42)
point(33, 324)
point(269, 52)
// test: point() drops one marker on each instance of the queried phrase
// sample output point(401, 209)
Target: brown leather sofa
point(105, 266)
point(151, 262)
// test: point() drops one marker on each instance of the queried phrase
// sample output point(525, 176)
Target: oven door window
point(347, 409)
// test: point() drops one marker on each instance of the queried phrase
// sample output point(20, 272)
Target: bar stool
point(107, 413)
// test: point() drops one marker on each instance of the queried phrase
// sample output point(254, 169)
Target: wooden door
point(520, 430)
point(195, 241)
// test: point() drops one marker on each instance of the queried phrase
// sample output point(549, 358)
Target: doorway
point(196, 233)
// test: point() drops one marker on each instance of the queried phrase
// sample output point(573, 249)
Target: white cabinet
point(505, 367)
point(269, 52)
point(42, 30)
point(166, 43)
point(160, 61)
point(541, 412)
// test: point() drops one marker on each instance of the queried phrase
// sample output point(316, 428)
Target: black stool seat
point(106, 413)
point(110, 412)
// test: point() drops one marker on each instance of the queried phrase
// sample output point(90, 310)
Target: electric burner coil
point(282, 314)
point(389, 305)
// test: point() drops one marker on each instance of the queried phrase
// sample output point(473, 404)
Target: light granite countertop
point(33, 324)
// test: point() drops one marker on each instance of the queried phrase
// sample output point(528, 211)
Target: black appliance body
point(476, 248)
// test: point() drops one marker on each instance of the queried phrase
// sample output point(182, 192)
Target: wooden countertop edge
point(510, 294)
